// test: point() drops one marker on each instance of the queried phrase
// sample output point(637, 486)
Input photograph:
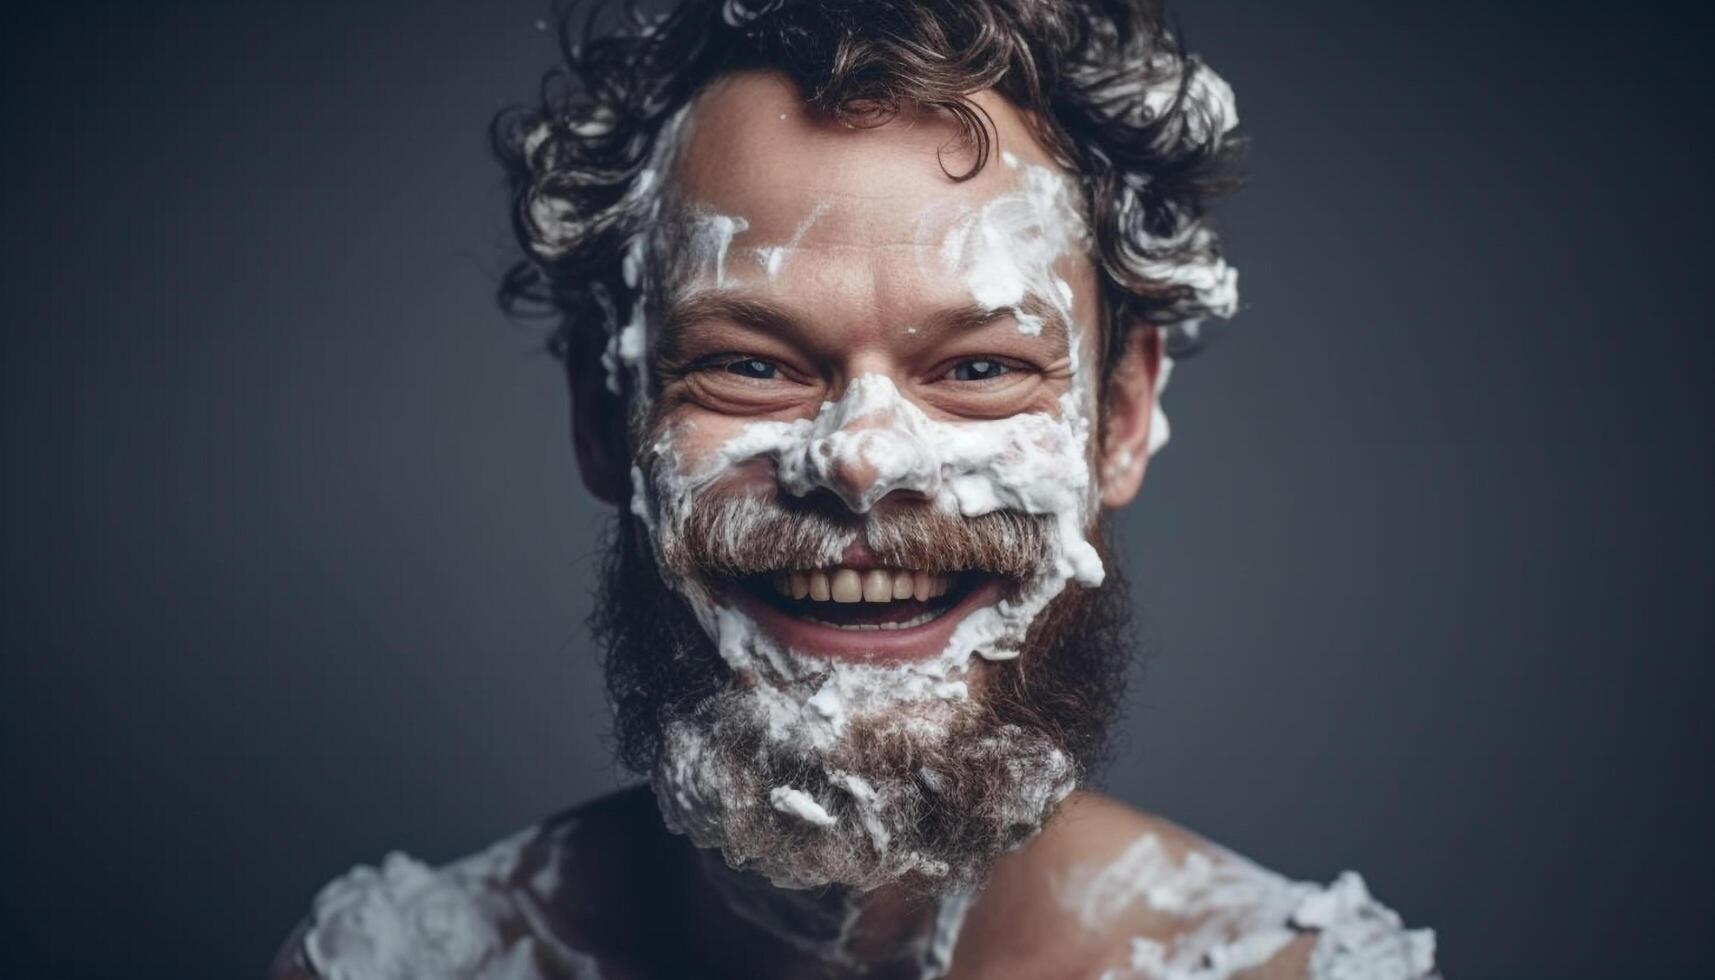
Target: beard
point(926, 796)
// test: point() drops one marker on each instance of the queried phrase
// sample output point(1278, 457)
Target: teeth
point(851, 585)
point(877, 586)
point(902, 585)
point(846, 586)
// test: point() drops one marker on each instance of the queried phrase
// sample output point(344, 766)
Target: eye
point(977, 369)
point(755, 368)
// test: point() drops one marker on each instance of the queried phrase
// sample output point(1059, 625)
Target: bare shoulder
point(1111, 891)
point(550, 901)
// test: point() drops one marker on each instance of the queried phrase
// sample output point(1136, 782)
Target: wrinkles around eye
point(1018, 389)
point(743, 383)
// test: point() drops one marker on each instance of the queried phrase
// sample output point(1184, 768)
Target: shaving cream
point(1239, 916)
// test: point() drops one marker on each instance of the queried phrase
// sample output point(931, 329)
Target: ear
point(1130, 413)
point(598, 418)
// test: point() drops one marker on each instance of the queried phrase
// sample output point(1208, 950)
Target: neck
point(841, 931)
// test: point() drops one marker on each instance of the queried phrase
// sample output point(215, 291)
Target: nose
point(870, 444)
point(866, 460)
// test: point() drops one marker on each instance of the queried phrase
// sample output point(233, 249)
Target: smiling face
point(865, 403)
point(838, 322)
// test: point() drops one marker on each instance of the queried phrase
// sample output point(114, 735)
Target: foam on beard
point(896, 794)
point(929, 798)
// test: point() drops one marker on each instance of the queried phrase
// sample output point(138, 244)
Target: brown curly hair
point(1107, 87)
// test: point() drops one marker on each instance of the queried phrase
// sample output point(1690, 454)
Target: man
point(865, 311)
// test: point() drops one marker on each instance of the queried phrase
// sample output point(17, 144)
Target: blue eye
point(978, 369)
point(755, 368)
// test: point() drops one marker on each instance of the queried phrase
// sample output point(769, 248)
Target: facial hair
point(927, 797)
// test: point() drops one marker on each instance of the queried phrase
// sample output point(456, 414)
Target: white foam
point(773, 257)
point(1237, 916)
point(460, 922)
point(795, 802)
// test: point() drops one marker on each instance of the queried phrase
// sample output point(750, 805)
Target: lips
point(863, 610)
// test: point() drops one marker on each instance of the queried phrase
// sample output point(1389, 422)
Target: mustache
point(753, 533)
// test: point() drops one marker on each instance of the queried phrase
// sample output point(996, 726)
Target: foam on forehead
point(795, 178)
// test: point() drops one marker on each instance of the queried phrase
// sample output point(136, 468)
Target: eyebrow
point(747, 311)
point(1055, 329)
point(761, 314)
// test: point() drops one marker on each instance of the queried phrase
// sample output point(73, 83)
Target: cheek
point(692, 452)
point(692, 445)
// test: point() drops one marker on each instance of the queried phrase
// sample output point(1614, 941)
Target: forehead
point(754, 149)
point(862, 210)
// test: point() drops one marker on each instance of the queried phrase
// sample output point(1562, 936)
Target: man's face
point(867, 460)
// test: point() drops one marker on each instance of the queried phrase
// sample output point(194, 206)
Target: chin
point(892, 803)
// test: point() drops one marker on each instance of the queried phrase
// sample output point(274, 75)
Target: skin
point(851, 287)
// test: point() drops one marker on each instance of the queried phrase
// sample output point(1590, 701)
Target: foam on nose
point(869, 443)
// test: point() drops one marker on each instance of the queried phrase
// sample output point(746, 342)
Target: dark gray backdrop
point(296, 559)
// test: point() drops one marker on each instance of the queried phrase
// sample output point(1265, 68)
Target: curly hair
point(1144, 127)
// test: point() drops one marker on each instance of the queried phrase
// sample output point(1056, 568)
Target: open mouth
point(863, 611)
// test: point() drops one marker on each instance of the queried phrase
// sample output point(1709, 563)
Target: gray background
point(296, 558)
